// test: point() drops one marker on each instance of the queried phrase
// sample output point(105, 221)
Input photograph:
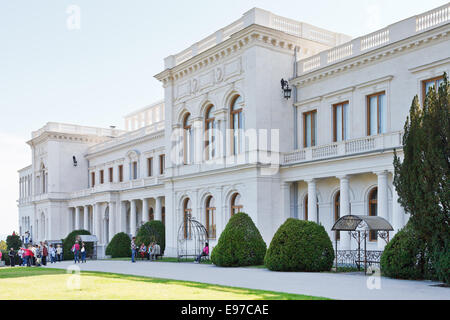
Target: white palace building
point(225, 138)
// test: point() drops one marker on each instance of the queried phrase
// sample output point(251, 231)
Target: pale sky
point(95, 75)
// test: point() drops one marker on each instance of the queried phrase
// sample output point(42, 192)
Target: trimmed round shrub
point(240, 244)
point(300, 246)
point(404, 256)
point(13, 242)
point(69, 241)
point(120, 246)
point(153, 231)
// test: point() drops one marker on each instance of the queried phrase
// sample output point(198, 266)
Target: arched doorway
point(236, 204)
point(373, 211)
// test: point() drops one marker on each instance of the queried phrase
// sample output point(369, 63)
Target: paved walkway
point(337, 286)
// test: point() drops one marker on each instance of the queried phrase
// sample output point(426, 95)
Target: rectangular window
point(150, 167)
point(121, 173)
point(102, 176)
point(429, 84)
point(340, 122)
point(111, 174)
point(376, 114)
point(134, 169)
point(310, 129)
point(161, 164)
point(92, 179)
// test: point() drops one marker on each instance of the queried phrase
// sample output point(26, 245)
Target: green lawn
point(52, 284)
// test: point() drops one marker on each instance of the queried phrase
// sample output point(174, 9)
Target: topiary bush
point(120, 246)
point(153, 231)
point(405, 257)
point(300, 246)
point(69, 241)
point(240, 244)
point(441, 262)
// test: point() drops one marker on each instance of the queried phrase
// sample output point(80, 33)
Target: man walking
point(133, 249)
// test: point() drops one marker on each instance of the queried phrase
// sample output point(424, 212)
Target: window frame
point(120, 173)
point(162, 163)
point(93, 179)
point(210, 212)
point(111, 174)
point(233, 205)
point(424, 87)
point(102, 176)
point(187, 132)
point(150, 166)
point(208, 143)
point(233, 112)
point(313, 128)
point(335, 106)
point(373, 237)
point(337, 213)
point(378, 94)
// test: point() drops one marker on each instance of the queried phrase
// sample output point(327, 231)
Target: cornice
point(66, 137)
point(429, 65)
point(250, 35)
point(376, 55)
point(153, 136)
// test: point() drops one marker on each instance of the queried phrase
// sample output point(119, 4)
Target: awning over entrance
point(352, 223)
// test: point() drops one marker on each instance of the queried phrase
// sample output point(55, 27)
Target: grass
point(54, 284)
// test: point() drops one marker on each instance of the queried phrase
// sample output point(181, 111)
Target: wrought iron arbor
point(359, 228)
point(192, 236)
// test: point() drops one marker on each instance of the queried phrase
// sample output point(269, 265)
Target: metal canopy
point(351, 223)
point(88, 238)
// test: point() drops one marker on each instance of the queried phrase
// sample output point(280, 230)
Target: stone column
point(158, 208)
point(312, 200)
point(133, 217)
point(77, 218)
point(382, 204)
point(285, 204)
point(123, 216)
point(86, 218)
point(112, 220)
point(398, 213)
point(97, 221)
point(145, 217)
point(345, 238)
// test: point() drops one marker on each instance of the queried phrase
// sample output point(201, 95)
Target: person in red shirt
point(76, 252)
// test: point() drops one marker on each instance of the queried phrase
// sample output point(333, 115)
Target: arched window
point(236, 205)
point(373, 211)
point(211, 217)
point(306, 207)
point(187, 140)
point(151, 214)
point(337, 212)
point(210, 140)
point(187, 212)
point(237, 126)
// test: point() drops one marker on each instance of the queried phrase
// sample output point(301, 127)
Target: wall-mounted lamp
point(286, 90)
point(75, 162)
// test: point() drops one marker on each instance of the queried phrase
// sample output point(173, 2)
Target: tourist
point(37, 255)
point(83, 253)
point(12, 257)
point(76, 252)
point(205, 253)
point(44, 253)
point(142, 250)
point(52, 254)
point(133, 249)
point(150, 251)
point(156, 250)
point(20, 255)
point(59, 253)
point(28, 255)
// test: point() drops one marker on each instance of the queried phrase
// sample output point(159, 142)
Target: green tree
point(422, 179)
point(13, 241)
point(3, 245)
point(120, 246)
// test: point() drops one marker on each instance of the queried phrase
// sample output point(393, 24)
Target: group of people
point(150, 252)
point(36, 255)
point(79, 250)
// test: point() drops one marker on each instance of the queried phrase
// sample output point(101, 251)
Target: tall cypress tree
point(422, 179)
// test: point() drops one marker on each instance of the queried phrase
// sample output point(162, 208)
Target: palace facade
point(225, 139)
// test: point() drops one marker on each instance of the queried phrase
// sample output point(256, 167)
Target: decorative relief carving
point(219, 75)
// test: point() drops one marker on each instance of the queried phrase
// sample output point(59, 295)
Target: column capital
point(343, 177)
point(381, 173)
point(312, 180)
